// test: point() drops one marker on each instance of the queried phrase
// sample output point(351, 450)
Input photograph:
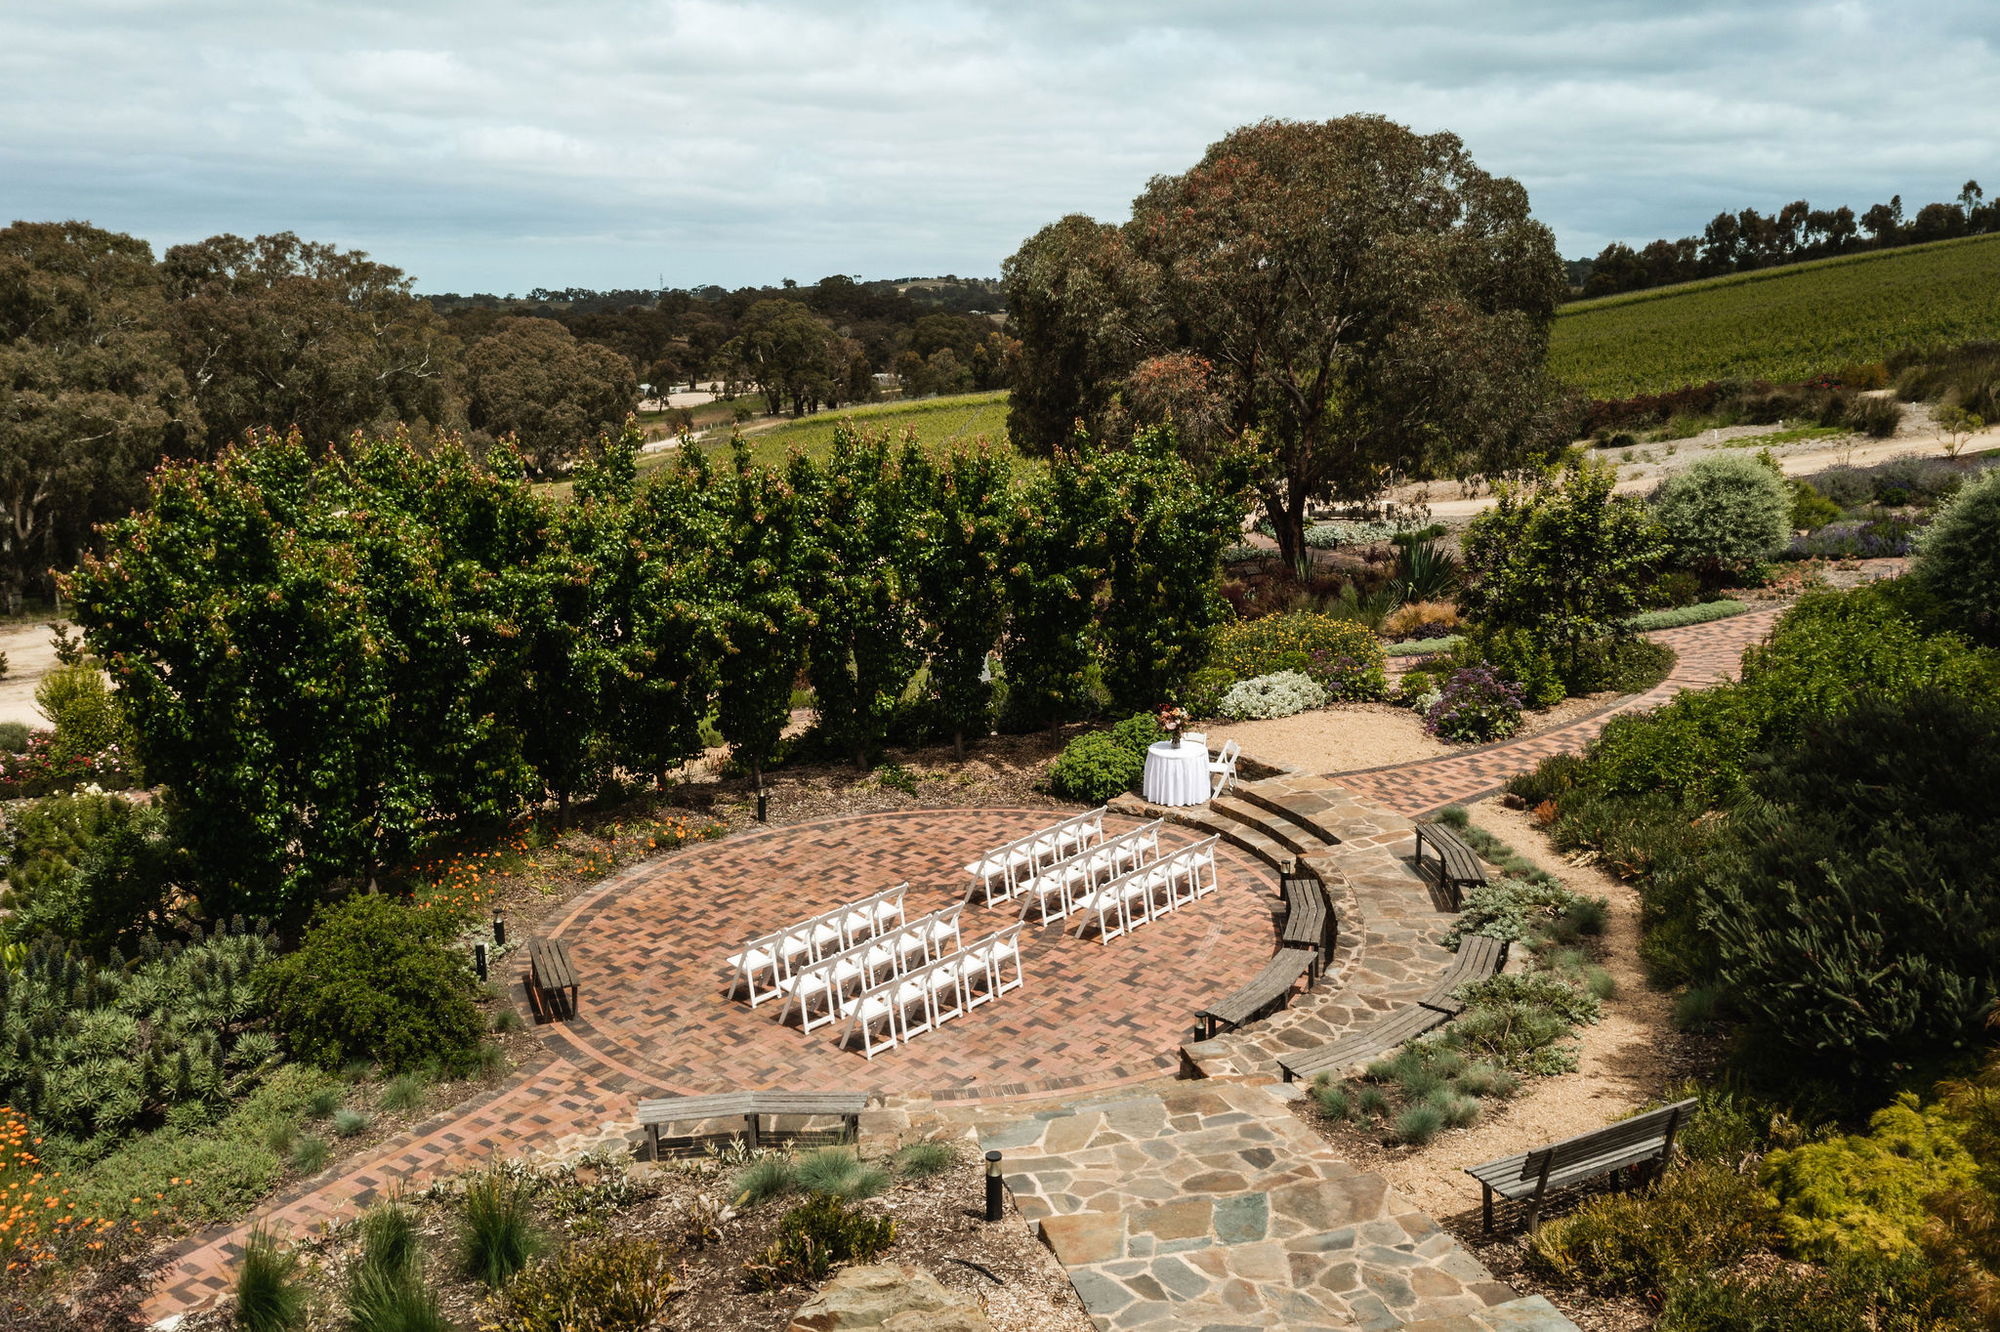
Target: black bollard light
point(992, 1186)
point(763, 807)
point(499, 929)
point(479, 959)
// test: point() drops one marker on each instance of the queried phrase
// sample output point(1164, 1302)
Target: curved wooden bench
point(753, 1106)
point(552, 986)
point(1458, 865)
point(1477, 958)
point(1267, 991)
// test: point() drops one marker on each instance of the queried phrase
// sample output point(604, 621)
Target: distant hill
point(1782, 324)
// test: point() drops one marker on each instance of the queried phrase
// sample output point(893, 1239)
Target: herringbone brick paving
point(600, 1065)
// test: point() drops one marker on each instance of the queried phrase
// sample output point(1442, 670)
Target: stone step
point(1238, 834)
point(1298, 838)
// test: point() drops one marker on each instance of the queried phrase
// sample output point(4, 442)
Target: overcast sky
point(497, 145)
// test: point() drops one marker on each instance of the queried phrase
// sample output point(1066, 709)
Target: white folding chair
point(946, 983)
point(877, 1006)
point(1222, 768)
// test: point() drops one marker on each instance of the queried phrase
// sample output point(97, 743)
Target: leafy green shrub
point(1202, 695)
point(1249, 648)
point(13, 737)
point(1958, 558)
point(51, 839)
point(1625, 665)
point(608, 1285)
point(1811, 509)
point(497, 1235)
point(1724, 513)
point(1280, 694)
point(1692, 750)
point(1855, 902)
point(1866, 1192)
point(1094, 767)
point(90, 1050)
point(1518, 656)
point(815, 1235)
point(1474, 704)
point(1905, 1295)
point(1424, 647)
point(1700, 1218)
point(1138, 731)
point(922, 1160)
point(1523, 1022)
point(87, 717)
point(1680, 616)
point(270, 1295)
point(373, 979)
point(1510, 909)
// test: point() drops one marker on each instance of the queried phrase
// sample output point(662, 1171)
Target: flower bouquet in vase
point(1173, 720)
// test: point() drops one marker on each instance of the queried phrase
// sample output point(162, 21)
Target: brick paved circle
point(649, 947)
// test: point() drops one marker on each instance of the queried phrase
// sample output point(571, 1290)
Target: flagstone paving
point(1162, 1236)
point(1209, 1205)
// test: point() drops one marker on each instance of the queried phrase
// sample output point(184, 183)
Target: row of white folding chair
point(948, 988)
point(891, 953)
point(1067, 881)
point(1151, 891)
point(1006, 865)
point(778, 954)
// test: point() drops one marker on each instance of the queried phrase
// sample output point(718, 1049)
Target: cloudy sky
point(499, 145)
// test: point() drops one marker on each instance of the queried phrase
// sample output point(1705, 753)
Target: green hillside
point(1782, 324)
point(957, 419)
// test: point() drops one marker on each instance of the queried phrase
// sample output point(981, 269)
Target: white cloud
point(503, 145)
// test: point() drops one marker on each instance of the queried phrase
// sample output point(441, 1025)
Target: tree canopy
point(532, 379)
point(1368, 304)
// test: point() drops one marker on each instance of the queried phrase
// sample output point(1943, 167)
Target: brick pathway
point(1708, 653)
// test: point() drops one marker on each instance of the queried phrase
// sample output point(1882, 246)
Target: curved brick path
point(1708, 653)
point(603, 1064)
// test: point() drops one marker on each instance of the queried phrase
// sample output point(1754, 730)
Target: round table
point(1176, 774)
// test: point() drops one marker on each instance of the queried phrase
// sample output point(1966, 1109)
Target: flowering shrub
point(1290, 642)
point(1474, 703)
point(1857, 540)
point(1277, 695)
point(40, 769)
point(36, 1212)
point(1347, 677)
point(1326, 536)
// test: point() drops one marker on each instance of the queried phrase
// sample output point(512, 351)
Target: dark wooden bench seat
point(1371, 1042)
point(1458, 865)
point(1629, 1142)
point(753, 1106)
point(1478, 957)
point(1268, 990)
point(552, 986)
point(1309, 920)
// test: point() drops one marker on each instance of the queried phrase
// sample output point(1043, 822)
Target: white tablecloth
point(1176, 776)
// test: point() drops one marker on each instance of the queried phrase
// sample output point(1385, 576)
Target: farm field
point(957, 419)
point(1781, 324)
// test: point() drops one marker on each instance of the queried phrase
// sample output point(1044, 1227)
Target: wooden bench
point(1642, 1139)
point(1309, 920)
point(753, 1106)
point(551, 979)
point(1478, 957)
point(1371, 1042)
point(1458, 865)
point(1268, 990)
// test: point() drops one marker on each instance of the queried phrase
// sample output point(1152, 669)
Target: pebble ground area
point(1252, 1224)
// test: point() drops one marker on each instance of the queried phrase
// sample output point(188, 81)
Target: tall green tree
point(1164, 531)
point(1056, 562)
point(90, 395)
point(280, 333)
point(855, 516)
point(765, 622)
point(1372, 305)
point(532, 380)
point(959, 555)
point(792, 355)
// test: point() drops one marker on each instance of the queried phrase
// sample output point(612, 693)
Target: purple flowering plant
point(1475, 704)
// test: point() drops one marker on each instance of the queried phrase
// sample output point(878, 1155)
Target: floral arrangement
point(1173, 720)
point(1475, 704)
point(1279, 694)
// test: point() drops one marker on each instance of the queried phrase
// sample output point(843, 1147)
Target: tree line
point(329, 658)
point(1738, 242)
